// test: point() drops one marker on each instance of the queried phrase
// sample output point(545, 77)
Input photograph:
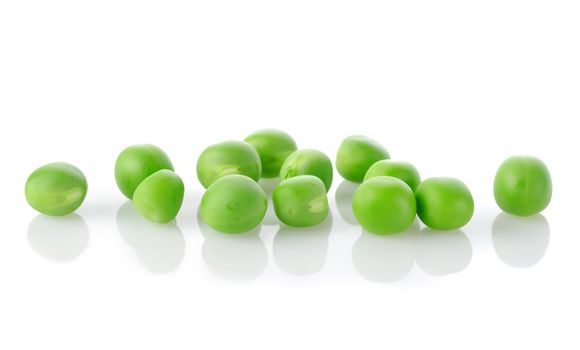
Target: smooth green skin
point(356, 155)
point(522, 186)
point(159, 197)
point(228, 158)
point(301, 201)
point(444, 203)
point(56, 189)
point(273, 146)
point(234, 204)
point(401, 170)
point(308, 162)
point(136, 163)
point(384, 205)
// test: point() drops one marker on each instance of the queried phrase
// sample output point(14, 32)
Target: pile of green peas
point(391, 192)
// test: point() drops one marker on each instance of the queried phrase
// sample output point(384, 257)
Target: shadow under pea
point(302, 251)
point(160, 248)
point(520, 241)
point(235, 257)
point(58, 239)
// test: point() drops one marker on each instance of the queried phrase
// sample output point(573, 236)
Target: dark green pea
point(401, 170)
point(273, 146)
point(308, 162)
point(444, 203)
point(234, 204)
point(227, 158)
point(136, 163)
point(523, 186)
point(159, 197)
point(384, 205)
point(355, 156)
point(301, 201)
point(56, 189)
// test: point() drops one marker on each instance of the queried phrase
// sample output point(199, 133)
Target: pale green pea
point(56, 189)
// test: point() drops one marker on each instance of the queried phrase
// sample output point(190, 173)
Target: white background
point(453, 86)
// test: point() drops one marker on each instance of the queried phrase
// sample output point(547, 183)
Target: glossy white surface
point(454, 87)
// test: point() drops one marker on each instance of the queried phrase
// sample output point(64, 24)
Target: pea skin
point(522, 186)
point(356, 154)
point(273, 146)
point(308, 162)
point(227, 158)
point(444, 203)
point(135, 163)
point(301, 201)
point(384, 205)
point(234, 204)
point(159, 197)
point(56, 189)
point(401, 170)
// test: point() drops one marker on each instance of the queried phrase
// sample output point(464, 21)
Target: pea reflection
point(442, 253)
point(520, 241)
point(59, 239)
point(343, 198)
point(160, 248)
point(233, 257)
point(384, 258)
point(302, 251)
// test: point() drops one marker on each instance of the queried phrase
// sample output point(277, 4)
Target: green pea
point(522, 186)
point(56, 189)
point(273, 146)
point(384, 205)
point(355, 156)
point(234, 204)
point(227, 158)
point(136, 163)
point(308, 162)
point(444, 203)
point(301, 201)
point(159, 197)
point(401, 170)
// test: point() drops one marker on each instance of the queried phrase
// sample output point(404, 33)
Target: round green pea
point(401, 170)
point(355, 156)
point(227, 158)
point(308, 162)
point(384, 205)
point(135, 163)
point(301, 201)
point(522, 186)
point(234, 204)
point(159, 197)
point(56, 189)
point(273, 146)
point(444, 203)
